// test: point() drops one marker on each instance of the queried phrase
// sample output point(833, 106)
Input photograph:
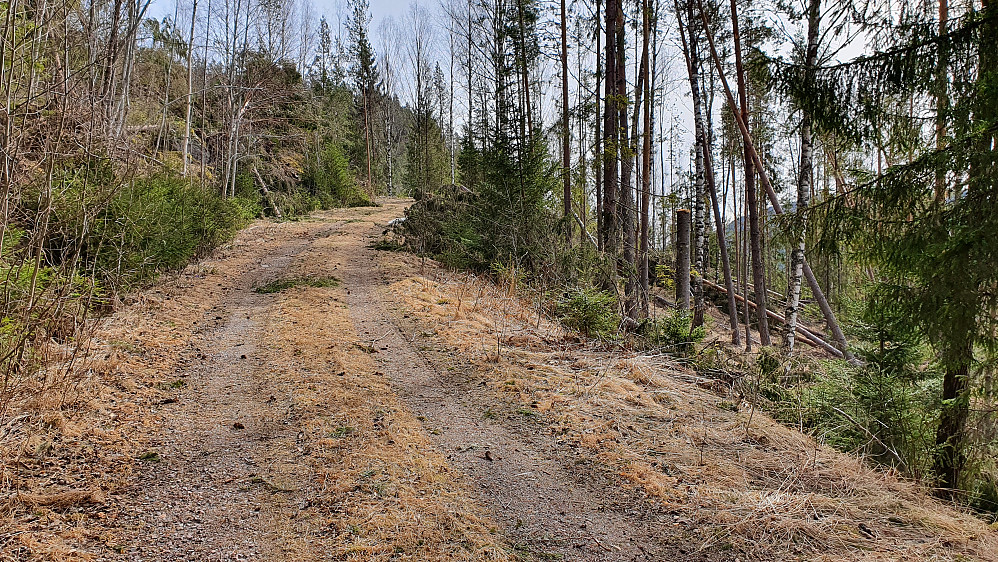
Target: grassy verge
point(734, 479)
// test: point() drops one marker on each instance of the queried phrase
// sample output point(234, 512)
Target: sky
point(379, 8)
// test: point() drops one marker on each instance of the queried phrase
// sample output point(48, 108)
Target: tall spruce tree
point(935, 256)
point(365, 74)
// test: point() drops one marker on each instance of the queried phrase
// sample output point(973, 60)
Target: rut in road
point(545, 505)
point(208, 492)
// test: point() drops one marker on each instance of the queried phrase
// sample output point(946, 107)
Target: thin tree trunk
point(722, 242)
point(169, 80)
point(625, 210)
point(942, 100)
point(525, 71)
point(631, 224)
point(819, 296)
point(204, 96)
point(755, 234)
point(367, 135)
point(450, 114)
point(581, 94)
point(951, 434)
point(566, 149)
point(683, 260)
point(471, 116)
point(611, 133)
point(744, 271)
point(950, 457)
point(803, 185)
point(645, 162)
point(600, 145)
point(190, 89)
point(689, 39)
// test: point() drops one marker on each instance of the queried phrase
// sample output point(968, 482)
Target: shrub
point(885, 408)
point(665, 277)
point(590, 311)
point(674, 332)
point(158, 223)
point(327, 179)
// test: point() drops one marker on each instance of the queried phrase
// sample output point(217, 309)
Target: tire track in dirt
point(547, 509)
point(213, 490)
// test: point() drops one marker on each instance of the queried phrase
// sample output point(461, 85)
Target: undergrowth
point(674, 332)
point(590, 311)
point(78, 242)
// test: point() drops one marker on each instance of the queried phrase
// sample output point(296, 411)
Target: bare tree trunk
point(625, 210)
point(683, 260)
point(525, 71)
point(204, 95)
point(632, 227)
point(803, 185)
point(755, 234)
point(190, 88)
point(951, 434)
point(600, 145)
point(742, 123)
point(450, 111)
point(645, 162)
point(582, 93)
point(950, 457)
point(169, 80)
point(471, 115)
point(942, 100)
point(689, 37)
point(566, 150)
point(722, 242)
point(744, 271)
point(367, 135)
point(611, 134)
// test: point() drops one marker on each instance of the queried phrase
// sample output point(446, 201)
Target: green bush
point(328, 181)
point(984, 496)
point(885, 408)
point(159, 223)
point(592, 312)
point(675, 332)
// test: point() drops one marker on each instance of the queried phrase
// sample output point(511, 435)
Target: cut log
point(663, 302)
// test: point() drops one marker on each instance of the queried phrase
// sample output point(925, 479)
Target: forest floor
point(301, 395)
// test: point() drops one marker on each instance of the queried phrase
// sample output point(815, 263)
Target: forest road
point(232, 472)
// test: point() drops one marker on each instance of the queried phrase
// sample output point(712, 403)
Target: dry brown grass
point(81, 433)
point(768, 492)
point(71, 448)
point(376, 488)
point(380, 489)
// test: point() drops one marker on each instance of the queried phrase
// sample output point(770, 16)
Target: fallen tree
point(806, 336)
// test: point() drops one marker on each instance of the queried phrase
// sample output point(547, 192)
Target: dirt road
point(302, 396)
point(237, 465)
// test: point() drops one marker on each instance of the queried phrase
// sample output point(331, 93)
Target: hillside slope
point(303, 396)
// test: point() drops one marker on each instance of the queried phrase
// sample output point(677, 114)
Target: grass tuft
point(280, 285)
